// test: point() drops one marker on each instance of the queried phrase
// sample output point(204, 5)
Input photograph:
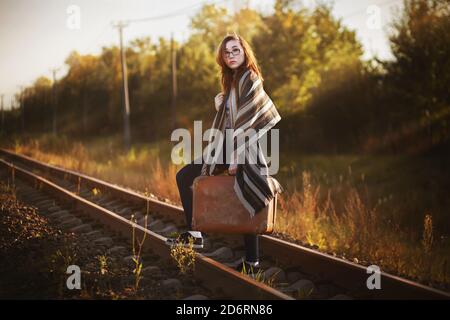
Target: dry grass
point(139, 169)
point(184, 257)
point(337, 216)
point(361, 233)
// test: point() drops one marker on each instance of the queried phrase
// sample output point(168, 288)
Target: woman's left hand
point(232, 170)
point(218, 99)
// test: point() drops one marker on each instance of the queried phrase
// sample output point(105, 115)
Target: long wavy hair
point(228, 79)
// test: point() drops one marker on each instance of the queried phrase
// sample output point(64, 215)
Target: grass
point(391, 211)
point(36, 254)
point(184, 257)
point(362, 233)
point(137, 245)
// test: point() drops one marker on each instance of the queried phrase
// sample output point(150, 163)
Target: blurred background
point(362, 88)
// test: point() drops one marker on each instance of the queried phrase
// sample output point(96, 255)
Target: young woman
point(242, 104)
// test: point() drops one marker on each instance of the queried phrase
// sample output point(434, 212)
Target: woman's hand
point(232, 169)
point(218, 100)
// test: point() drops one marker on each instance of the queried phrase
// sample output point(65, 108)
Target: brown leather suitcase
point(217, 209)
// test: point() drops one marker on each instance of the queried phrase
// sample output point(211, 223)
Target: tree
point(419, 77)
point(298, 48)
point(420, 43)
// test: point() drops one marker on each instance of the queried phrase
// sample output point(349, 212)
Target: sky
point(36, 36)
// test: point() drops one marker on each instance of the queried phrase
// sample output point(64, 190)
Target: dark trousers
point(185, 179)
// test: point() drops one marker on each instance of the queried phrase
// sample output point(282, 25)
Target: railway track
point(98, 241)
point(291, 271)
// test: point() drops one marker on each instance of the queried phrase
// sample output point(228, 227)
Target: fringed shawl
point(251, 108)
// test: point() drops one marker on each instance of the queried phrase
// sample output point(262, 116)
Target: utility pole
point(22, 107)
point(13, 107)
point(54, 102)
point(126, 103)
point(174, 81)
point(3, 117)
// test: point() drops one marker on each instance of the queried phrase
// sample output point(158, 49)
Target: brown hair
point(250, 62)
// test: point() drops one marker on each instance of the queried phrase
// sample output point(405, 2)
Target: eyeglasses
point(235, 52)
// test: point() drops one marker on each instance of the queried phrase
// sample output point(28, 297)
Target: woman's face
point(234, 54)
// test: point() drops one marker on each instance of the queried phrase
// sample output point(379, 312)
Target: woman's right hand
point(218, 100)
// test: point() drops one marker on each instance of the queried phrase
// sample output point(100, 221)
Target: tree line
point(330, 99)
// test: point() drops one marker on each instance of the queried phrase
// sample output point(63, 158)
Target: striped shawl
point(251, 108)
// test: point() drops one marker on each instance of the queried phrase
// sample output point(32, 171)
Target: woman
point(242, 105)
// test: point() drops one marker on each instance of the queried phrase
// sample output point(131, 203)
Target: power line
point(174, 13)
